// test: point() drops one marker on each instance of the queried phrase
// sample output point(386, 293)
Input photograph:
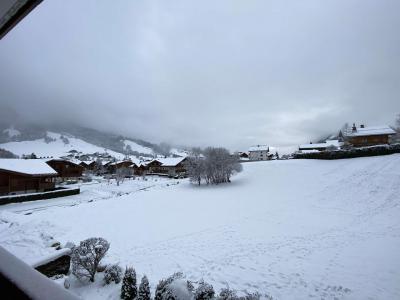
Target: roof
point(27, 166)
point(327, 143)
point(74, 162)
point(370, 130)
point(120, 162)
point(170, 161)
point(13, 11)
point(259, 148)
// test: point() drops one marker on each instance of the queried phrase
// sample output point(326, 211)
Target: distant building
point(243, 155)
point(334, 144)
point(260, 152)
point(66, 168)
point(368, 135)
point(26, 176)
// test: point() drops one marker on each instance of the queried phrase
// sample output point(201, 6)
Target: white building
point(260, 152)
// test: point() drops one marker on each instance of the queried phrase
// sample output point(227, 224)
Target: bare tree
point(216, 166)
point(120, 174)
point(86, 257)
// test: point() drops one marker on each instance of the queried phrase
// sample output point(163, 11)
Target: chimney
point(362, 126)
point(354, 128)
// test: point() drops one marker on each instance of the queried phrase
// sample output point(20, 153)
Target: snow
point(170, 161)
point(333, 234)
point(56, 148)
point(370, 130)
point(179, 152)
point(136, 147)
point(12, 132)
point(27, 166)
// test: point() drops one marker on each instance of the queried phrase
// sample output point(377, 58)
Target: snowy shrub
point(204, 291)
point(163, 291)
point(144, 289)
point(86, 257)
point(128, 288)
point(112, 273)
point(227, 294)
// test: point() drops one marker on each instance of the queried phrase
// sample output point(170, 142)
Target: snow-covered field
point(294, 229)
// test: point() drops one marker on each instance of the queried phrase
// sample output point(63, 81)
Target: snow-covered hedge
point(351, 153)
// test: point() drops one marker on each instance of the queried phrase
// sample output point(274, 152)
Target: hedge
point(351, 153)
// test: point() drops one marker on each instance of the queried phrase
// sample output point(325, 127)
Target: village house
point(154, 166)
point(140, 168)
point(173, 166)
point(368, 135)
point(114, 166)
point(88, 165)
point(260, 152)
point(315, 147)
point(65, 168)
point(25, 176)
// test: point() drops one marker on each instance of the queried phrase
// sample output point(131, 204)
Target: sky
point(197, 73)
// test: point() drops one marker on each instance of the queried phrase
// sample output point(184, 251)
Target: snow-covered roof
point(27, 166)
point(87, 162)
point(327, 143)
point(75, 161)
point(119, 162)
point(370, 130)
point(170, 161)
point(259, 148)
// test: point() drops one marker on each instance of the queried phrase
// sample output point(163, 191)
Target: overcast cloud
point(231, 73)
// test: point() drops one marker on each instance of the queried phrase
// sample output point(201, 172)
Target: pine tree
point(144, 289)
point(129, 289)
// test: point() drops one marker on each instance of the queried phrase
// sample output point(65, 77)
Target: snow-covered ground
point(56, 148)
point(294, 229)
point(136, 147)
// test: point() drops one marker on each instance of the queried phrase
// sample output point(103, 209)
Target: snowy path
point(294, 229)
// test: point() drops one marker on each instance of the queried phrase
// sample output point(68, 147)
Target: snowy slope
point(136, 147)
point(294, 229)
point(55, 148)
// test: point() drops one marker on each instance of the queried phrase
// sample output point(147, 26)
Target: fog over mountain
point(230, 73)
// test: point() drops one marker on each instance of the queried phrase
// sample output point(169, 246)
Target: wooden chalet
point(113, 167)
point(140, 168)
point(26, 176)
point(88, 165)
point(154, 167)
point(368, 136)
point(171, 166)
point(66, 168)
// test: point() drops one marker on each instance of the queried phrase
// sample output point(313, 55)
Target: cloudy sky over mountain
point(231, 73)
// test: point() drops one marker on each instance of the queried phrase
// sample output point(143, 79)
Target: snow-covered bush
point(86, 257)
point(163, 290)
point(129, 288)
point(112, 273)
point(204, 291)
point(227, 294)
point(144, 289)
